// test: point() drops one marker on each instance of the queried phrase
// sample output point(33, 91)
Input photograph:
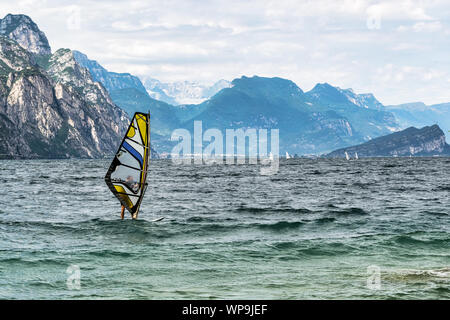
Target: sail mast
point(147, 154)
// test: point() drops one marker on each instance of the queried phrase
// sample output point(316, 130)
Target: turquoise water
point(308, 232)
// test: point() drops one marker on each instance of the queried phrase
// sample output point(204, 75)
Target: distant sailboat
point(347, 156)
point(287, 155)
point(271, 155)
point(356, 156)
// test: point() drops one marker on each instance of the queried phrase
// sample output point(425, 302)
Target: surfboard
point(158, 219)
point(127, 174)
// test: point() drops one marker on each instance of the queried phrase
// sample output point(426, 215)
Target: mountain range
point(322, 119)
point(65, 104)
point(308, 123)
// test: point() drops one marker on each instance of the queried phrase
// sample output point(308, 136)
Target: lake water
point(319, 229)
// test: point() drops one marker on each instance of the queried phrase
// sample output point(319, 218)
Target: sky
point(397, 50)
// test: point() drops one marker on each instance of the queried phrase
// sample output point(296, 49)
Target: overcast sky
point(397, 50)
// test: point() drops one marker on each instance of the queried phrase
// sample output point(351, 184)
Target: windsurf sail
point(127, 174)
point(347, 156)
point(287, 155)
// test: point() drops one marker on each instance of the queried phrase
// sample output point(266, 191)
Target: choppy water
point(311, 231)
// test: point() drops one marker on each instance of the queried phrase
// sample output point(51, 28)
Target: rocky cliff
point(418, 114)
point(51, 108)
point(112, 81)
point(428, 141)
point(25, 32)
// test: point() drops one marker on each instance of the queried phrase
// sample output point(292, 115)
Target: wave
point(435, 213)
point(324, 220)
point(409, 240)
point(442, 188)
point(208, 219)
point(202, 226)
point(33, 262)
point(271, 210)
point(306, 248)
point(349, 211)
point(110, 253)
point(361, 185)
point(85, 178)
point(42, 283)
point(417, 275)
point(281, 225)
point(137, 229)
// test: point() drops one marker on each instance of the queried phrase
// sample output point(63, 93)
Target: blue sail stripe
point(131, 150)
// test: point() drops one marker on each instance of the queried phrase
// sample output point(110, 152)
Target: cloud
point(365, 44)
point(398, 10)
point(422, 26)
point(427, 26)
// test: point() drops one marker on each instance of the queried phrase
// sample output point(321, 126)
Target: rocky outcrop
point(418, 114)
point(111, 80)
point(25, 32)
point(50, 107)
point(428, 141)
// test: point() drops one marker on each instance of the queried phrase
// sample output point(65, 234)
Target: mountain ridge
point(419, 114)
point(427, 141)
point(25, 32)
point(111, 80)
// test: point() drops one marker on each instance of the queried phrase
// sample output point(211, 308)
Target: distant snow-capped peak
point(183, 92)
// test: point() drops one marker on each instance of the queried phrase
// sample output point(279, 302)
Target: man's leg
point(122, 213)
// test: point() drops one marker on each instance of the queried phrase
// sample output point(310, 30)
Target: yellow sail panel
point(123, 196)
point(142, 121)
point(131, 132)
point(143, 125)
point(126, 177)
